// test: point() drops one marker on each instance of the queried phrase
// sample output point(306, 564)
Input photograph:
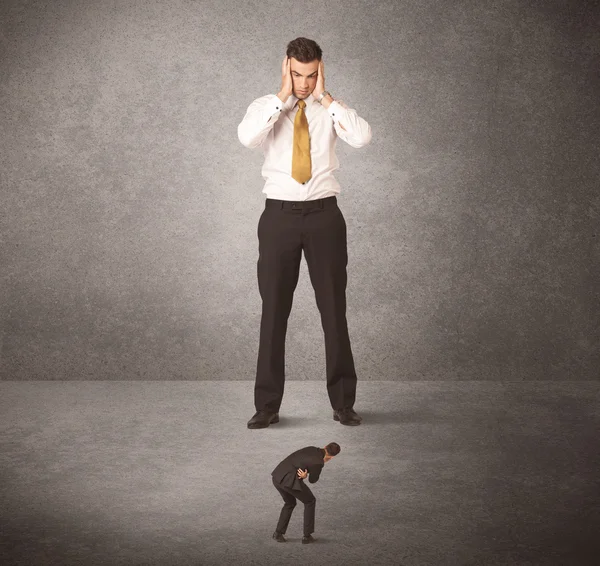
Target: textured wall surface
point(129, 207)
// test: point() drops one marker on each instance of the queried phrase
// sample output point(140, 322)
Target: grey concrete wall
point(129, 207)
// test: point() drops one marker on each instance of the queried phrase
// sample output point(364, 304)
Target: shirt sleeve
point(259, 120)
point(356, 131)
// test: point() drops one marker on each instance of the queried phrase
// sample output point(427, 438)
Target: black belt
point(302, 204)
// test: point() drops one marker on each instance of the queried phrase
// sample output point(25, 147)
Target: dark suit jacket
point(309, 458)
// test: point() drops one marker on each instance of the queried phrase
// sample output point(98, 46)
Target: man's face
point(304, 77)
point(327, 457)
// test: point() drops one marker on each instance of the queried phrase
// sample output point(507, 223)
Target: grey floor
point(461, 473)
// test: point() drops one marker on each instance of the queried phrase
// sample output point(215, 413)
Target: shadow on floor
point(288, 422)
point(391, 417)
point(298, 540)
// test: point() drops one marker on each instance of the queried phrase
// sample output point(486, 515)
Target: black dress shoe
point(346, 417)
point(262, 419)
point(307, 539)
point(278, 537)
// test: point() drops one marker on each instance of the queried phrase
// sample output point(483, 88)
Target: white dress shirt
point(269, 123)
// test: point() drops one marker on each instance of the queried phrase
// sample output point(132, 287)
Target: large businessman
point(297, 129)
point(288, 479)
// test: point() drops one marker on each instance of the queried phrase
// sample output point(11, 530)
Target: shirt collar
point(310, 99)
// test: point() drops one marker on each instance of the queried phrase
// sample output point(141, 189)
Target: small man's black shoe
point(278, 537)
point(346, 417)
point(307, 539)
point(262, 419)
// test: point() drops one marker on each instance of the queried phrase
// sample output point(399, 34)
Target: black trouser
point(289, 498)
point(285, 229)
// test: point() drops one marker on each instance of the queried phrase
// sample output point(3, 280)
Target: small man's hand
point(302, 474)
point(320, 86)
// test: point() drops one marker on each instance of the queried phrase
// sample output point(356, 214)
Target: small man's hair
point(333, 448)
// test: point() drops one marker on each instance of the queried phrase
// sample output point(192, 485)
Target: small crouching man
point(288, 479)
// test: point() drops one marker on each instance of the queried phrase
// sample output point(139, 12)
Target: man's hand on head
point(320, 86)
point(287, 84)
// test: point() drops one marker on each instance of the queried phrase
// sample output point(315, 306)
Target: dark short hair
point(304, 50)
point(333, 448)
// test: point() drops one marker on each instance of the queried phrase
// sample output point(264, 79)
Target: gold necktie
point(301, 153)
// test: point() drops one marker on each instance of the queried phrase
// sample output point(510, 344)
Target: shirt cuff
point(335, 111)
point(274, 107)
